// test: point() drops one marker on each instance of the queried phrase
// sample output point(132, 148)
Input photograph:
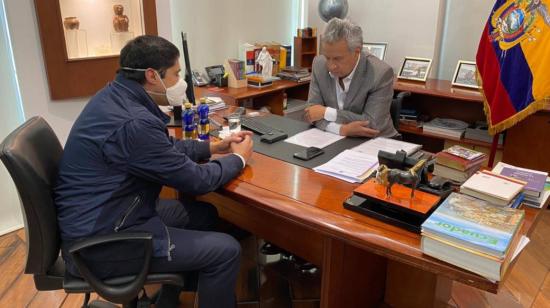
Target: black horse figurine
point(388, 177)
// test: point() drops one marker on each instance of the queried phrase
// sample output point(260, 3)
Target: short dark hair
point(147, 51)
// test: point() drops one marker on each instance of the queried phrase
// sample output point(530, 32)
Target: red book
point(460, 158)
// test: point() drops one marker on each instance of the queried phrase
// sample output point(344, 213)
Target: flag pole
point(493, 152)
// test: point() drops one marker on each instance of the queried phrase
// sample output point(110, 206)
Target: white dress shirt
point(331, 113)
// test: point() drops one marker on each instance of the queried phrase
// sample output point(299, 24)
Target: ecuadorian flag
point(513, 61)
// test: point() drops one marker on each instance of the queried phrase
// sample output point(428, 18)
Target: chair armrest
point(120, 293)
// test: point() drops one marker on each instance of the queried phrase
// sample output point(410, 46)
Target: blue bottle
point(188, 117)
point(204, 122)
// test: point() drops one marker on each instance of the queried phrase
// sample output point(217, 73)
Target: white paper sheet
point(314, 138)
point(372, 146)
point(349, 166)
point(522, 243)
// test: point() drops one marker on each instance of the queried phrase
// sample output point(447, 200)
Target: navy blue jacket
point(116, 160)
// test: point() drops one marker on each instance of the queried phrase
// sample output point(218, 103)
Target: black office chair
point(395, 108)
point(31, 154)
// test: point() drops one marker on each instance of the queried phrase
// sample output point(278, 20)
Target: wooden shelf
point(409, 129)
point(439, 88)
point(305, 49)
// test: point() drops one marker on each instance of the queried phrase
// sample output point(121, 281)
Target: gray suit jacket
point(369, 97)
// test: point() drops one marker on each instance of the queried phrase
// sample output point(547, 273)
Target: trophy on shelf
point(75, 38)
point(121, 35)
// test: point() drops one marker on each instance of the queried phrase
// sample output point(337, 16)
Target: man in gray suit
point(351, 91)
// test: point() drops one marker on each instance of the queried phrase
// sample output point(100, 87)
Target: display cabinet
point(82, 39)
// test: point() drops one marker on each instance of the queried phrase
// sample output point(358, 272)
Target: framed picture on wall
point(377, 49)
point(415, 69)
point(465, 75)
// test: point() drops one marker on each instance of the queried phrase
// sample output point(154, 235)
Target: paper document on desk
point(350, 166)
point(314, 138)
point(372, 146)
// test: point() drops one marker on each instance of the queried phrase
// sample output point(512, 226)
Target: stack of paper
point(350, 166)
point(372, 146)
point(215, 103)
point(314, 138)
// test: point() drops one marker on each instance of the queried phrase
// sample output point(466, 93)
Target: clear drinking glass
point(234, 122)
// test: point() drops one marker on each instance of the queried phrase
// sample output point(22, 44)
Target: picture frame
point(378, 49)
point(465, 75)
point(415, 69)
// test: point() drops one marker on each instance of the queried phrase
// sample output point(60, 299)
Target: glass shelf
point(99, 28)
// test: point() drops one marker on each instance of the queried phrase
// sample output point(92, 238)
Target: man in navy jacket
point(116, 160)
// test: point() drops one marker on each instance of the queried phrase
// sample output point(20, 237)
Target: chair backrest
point(395, 108)
point(31, 154)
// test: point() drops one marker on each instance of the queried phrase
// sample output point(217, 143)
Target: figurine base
point(399, 209)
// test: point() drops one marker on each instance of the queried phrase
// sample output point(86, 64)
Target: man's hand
point(224, 146)
point(243, 148)
point(314, 113)
point(358, 129)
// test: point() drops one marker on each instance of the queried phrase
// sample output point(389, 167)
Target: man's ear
point(151, 76)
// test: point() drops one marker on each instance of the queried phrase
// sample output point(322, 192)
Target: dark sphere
point(329, 9)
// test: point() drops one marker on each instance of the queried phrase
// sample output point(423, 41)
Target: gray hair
point(338, 29)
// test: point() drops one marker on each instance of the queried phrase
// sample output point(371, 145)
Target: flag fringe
point(513, 120)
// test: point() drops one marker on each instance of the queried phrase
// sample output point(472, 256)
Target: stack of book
point(474, 235)
point(494, 188)
point(295, 73)
point(478, 131)
point(458, 163)
point(408, 117)
point(238, 68)
point(534, 190)
point(446, 127)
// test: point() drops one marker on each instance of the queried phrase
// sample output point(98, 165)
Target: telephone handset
point(199, 79)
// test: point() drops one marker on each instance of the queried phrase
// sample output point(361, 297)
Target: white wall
point(464, 22)
point(11, 116)
point(215, 29)
point(32, 74)
point(443, 30)
point(409, 27)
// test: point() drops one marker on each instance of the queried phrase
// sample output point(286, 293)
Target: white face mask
point(175, 95)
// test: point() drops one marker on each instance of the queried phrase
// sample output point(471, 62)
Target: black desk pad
point(283, 150)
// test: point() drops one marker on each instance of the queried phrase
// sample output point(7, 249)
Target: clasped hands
point(315, 113)
point(239, 143)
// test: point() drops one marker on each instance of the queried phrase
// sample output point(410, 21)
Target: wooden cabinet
point(305, 49)
point(436, 98)
point(68, 78)
point(528, 142)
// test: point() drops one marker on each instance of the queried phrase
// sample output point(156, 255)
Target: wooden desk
point(363, 261)
point(271, 96)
